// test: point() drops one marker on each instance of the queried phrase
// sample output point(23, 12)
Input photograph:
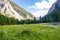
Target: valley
point(18, 24)
point(29, 32)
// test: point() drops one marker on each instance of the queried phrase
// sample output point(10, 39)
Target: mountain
point(56, 5)
point(53, 14)
point(11, 9)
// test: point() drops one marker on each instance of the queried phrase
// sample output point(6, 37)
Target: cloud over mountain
point(42, 7)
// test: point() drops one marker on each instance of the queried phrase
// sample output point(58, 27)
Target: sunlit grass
point(29, 32)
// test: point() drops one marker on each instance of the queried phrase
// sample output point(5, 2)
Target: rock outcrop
point(57, 3)
point(55, 6)
point(8, 8)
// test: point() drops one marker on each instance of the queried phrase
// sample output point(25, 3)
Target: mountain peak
point(11, 9)
point(54, 6)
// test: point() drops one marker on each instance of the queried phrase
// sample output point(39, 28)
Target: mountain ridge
point(56, 5)
point(53, 14)
point(10, 8)
point(19, 10)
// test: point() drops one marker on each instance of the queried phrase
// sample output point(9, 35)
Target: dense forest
point(52, 17)
point(8, 21)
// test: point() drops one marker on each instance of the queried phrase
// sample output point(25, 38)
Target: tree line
point(9, 21)
point(50, 17)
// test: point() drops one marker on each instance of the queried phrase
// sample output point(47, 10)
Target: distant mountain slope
point(54, 16)
point(4, 20)
point(21, 11)
point(56, 5)
point(10, 9)
point(54, 13)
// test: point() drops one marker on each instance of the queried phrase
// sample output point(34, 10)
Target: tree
point(35, 21)
point(40, 19)
point(7, 21)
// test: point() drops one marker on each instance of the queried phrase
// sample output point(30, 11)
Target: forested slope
point(54, 16)
point(7, 21)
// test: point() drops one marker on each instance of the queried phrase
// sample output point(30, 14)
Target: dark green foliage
point(29, 32)
point(52, 17)
point(28, 21)
point(40, 19)
point(7, 21)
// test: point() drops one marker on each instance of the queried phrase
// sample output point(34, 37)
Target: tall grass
point(29, 32)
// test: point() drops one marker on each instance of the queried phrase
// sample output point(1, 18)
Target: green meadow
point(29, 32)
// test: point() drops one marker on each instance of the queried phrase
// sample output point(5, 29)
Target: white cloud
point(40, 13)
point(52, 1)
point(43, 5)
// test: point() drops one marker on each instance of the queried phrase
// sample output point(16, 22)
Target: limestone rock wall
point(7, 9)
point(56, 4)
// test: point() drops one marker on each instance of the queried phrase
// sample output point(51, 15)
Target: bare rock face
point(58, 3)
point(54, 6)
point(7, 9)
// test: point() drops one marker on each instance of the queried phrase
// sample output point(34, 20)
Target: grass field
point(29, 32)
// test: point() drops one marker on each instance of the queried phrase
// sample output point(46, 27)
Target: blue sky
point(36, 7)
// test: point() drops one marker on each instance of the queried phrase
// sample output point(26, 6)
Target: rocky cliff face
point(55, 6)
point(10, 9)
point(52, 8)
point(58, 3)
